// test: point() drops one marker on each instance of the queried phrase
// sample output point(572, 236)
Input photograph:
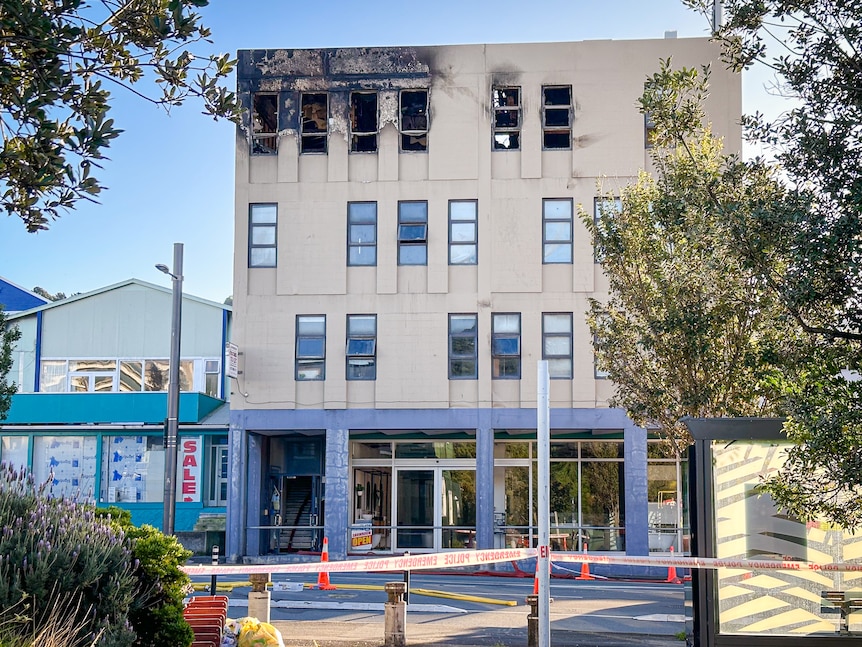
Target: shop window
point(557, 344)
point(314, 123)
point(363, 122)
point(557, 231)
point(133, 469)
point(262, 235)
point(361, 347)
point(310, 347)
point(506, 346)
point(507, 118)
point(556, 117)
point(264, 124)
point(14, 451)
point(362, 233)
point(68, 463)
point(414, 120)
point(218, 480)
point(463, 232)
point(413, 233)
point(463, 347)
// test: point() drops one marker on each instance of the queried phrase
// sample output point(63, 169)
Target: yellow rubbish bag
point(254, 633)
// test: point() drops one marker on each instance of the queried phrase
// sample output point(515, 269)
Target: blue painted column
point(338, 499)
point(637, 513)
point(256, 540)
point(236, 513)
point(484, 488)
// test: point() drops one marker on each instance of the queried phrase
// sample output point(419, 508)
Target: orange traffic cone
point(323, 582)
point(585, 569)
point(671, 572)
point(536, 579)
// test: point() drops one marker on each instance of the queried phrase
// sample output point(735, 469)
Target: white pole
point(717, 17)
point(543, 437)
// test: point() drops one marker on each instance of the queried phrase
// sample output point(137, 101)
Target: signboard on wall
point(232, 359)
point(189, 456)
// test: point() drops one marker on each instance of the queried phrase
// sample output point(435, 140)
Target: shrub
point(157, 613)
point(52, 550)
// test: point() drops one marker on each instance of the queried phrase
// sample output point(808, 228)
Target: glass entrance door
point(435, 508)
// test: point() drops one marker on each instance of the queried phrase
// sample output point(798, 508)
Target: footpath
point(571, 626)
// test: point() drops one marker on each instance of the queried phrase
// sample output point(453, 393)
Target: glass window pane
point(601, 494)
point(363, 234)
point(558, 346)
point(14, 450)
point(463, 232)
point(93, 365)
point(558, 253)
point(558, 323)
point(462, 210)
point(133, 469)
point(52, 378)
point(510, 323)
point(131, 378)
point(360, 347)
point(362, 212)
point(309, 370)
point(599, 449)
point(264, 214)
point(558, 231)
point(462, 323)
point(463, 254)
point(556, 116)
point(363, 255)
point(464, 346)
point(358, 325)
point(156, 375)
point(263, 236)
point(412, 255)
point(557, 96)
point(408, 233)
point(79, 383)
point(506, 346)
point(558, 209)
point(309, 347)
point(560, 368)
point(72, 462)
point(462, 368)
point(311, 326)
point(104, 383)
point(262, 257)
point(506, 366)
point(413, 211)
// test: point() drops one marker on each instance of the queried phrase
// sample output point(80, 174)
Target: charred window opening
point(363, 122)
point(314, 123)
point(414, 120)
point(507, 118)
point(557, 116)
point(264, 124)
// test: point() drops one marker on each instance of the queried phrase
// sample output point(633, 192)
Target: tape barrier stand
point(482, 557)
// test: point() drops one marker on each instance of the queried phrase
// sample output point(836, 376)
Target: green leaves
point(8, 337)
point(53, 108)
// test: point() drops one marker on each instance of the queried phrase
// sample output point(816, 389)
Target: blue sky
point(170, 178)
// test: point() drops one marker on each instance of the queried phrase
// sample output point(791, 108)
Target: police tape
point(463, 558)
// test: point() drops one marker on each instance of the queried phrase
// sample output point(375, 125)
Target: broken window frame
point(552, 124)
point(413, 127)
point(509, 133)
point(363, 130)
point(264, 131)
point(313, 140)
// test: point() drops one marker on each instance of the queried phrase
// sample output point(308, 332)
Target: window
point(413, 233)
point(361, 347)
point(556, 116)
point(127, 375)
point(557, 344)
point(264, 124)
point(463, 347)
point(212, 376)
point(262, 228)
point(218, 480)
point(414, 120)
point(68, 465)
point(608, 207)
point(506, 346)
point(557, 231)
point(463, 229)
point(133, 469)
point(310, 347)
point(362, 233)
point(314, 123)
point(363, 122)
point(507, 118)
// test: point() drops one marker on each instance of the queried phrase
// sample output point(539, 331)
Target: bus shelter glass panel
point(748, 525)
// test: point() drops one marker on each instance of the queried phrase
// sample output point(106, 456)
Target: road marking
point(349, 606)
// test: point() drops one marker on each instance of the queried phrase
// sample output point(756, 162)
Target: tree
point(42, 292)
point(686, 329)
point(808, 248)
point(8, 336)
point(57, 62)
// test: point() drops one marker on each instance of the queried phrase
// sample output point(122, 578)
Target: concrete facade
point(525, 182)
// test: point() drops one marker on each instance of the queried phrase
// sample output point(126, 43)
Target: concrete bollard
point(258, 597)
point(395, 615)
point(533, 621)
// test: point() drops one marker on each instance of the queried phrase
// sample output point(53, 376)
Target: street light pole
point(171, 424)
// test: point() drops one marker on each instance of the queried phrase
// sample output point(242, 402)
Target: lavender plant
point(54, 549)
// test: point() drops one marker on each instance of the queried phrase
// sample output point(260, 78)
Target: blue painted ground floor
point(392, 481)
